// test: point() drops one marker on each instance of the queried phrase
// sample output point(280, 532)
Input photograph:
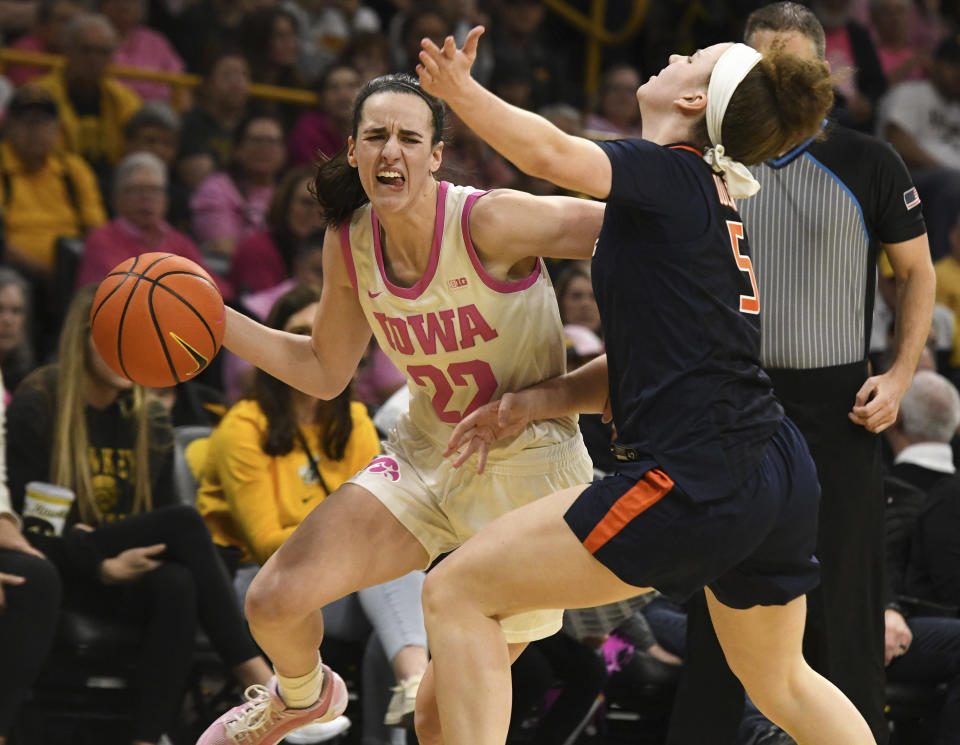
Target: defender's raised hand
point(445, 70)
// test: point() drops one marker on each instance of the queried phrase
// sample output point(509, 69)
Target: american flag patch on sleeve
point(910, 198)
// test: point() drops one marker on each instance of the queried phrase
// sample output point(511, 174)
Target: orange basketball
point(157, 319)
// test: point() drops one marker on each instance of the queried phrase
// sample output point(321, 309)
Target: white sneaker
point(318, 732)
point(402, 705)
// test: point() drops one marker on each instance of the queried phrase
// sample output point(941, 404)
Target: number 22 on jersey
point(457, 375)
point(748, 303)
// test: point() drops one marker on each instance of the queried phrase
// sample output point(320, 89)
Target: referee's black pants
point(844, 634)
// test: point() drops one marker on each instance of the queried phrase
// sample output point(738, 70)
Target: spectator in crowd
point(368, 52)
point(891, 22)
point(141, 47)
point(306, 270)
point(469, 158)
point(518, 38)
point(320, 133)
point(93, 108)
point(276, 456)
point(423, 20)
point(853, 58)
point(46, 36)
point(575, 297)
point(328, 28)
point(156, 129)
point(921, 119)
point(948, 288)
point(269, 40)
point(231, 205)
point(16, 352)
point(46, 195)
point(922, 646)
point(206, 28)
point(617, 114)
point(29, 605)
point(207, 131)
point(824, 205)
point(140, 202)
point(128, 551)
point(265, 259)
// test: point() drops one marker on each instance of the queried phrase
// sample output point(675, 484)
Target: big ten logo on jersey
point(458, 283)
point(725, 199)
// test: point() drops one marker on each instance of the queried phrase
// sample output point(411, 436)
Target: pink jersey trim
point(412, 293)
point(492, 282)
point(348, 255)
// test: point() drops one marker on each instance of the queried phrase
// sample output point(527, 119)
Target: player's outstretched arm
point(527, 140)
point(583, 391)
point(320, 365)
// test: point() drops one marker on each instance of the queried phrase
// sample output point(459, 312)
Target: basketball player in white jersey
point(449, 281)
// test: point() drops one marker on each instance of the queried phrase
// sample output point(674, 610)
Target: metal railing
point(178, 82)
point(598, 35)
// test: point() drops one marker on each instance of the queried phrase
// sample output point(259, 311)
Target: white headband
point(731, 68)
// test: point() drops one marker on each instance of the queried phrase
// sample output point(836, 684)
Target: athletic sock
point(303, 691)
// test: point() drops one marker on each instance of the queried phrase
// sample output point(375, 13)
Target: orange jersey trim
point(686, 147)
point(653, 487)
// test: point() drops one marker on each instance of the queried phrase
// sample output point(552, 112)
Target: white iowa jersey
point(461, 337)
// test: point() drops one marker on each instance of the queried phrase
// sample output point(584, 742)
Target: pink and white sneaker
point(265, 719)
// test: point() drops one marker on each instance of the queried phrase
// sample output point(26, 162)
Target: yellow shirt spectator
point(948, 293)
point(61, 199)
point(96, 133)
point(255, 501)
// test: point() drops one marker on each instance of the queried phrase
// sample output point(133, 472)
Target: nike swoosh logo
point(374, 294)
point(197, 357)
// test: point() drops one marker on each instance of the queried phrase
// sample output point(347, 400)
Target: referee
point(824, 212)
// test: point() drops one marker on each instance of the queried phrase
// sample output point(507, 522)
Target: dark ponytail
point(337, 186)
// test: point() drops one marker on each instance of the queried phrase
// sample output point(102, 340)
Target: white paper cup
point(45, 508)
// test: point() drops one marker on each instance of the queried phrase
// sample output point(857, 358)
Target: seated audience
point(207, 131)
point(156, 129)
point(269, 38)
point(575, 298)
point(46, 36)
point(140, 202)
point(368, 52)
point(16, 352)
point(891, 22)
point(859, 78)
point(921, 119)
point(45, 195)
point(265, 259)
point(231, 205)
point(327, 29)
point(94, 108)
point(321, 133)
point(922, 648)
point(205, 28)
point(617, 114)
point(141, 47)
point(29, 606)
point(128, 550)
point(276, 456)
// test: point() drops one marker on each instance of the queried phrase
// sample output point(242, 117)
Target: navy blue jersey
point(678, 299)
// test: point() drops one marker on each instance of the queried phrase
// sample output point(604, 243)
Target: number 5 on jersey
point(748, 303)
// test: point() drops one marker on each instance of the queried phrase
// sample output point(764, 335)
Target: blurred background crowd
point(193, 127)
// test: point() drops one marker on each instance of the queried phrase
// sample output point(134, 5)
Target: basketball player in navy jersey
point(718, 488)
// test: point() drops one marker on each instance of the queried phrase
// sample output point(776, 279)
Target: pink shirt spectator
point(891, 59)
point(221, 211)
point(120, 239)
point(257, 264)
point(150, 51)
point(20, 74)
point(311, 135)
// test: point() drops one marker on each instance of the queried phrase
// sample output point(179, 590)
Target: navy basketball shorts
point(754, 547)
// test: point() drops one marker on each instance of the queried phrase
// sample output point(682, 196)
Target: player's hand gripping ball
point(157, 319)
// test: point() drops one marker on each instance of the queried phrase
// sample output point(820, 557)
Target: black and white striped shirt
point(815, 229)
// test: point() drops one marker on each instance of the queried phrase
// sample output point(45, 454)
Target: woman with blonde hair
point(128, 550)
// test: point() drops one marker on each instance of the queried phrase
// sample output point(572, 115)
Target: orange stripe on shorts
point(648, 491)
